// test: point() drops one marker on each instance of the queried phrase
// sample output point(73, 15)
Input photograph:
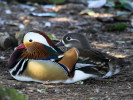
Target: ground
point(69, 20)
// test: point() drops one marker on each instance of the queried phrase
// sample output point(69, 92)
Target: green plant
point(118, 27)
point(10, 94)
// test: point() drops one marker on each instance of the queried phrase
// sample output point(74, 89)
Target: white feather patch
point(80, 65)
point(78, 76)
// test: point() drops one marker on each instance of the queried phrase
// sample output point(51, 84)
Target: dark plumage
point(103, 63)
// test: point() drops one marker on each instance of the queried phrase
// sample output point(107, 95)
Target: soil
point(117, 43)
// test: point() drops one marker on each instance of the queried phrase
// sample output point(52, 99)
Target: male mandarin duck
point(103, 63)
point(38, 59)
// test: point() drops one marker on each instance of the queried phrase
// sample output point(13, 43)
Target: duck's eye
point(30, 40)
point(68, 38)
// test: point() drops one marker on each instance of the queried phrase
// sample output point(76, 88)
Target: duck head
point(37, 44)
point(74, 40)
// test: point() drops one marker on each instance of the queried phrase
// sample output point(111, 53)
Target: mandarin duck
point(105, 64)
point(38, 59)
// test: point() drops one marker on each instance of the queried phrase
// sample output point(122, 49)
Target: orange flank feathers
point(70, 58)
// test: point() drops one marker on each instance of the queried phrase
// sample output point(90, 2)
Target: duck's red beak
point(21, 46)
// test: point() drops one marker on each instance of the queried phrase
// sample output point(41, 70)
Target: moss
point(56, 1)
point(118, 27)
point(119, 6)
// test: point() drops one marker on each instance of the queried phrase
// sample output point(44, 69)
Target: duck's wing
point(93, 60)
point(93, 55)
point(102, 62)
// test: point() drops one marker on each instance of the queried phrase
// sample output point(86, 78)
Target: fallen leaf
point(127, 4)
point(96, 3)
point(48, 14)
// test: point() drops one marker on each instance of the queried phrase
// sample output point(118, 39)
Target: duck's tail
point(117, 65)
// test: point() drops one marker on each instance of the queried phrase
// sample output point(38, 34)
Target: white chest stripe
point(14, 68)
point(22, 66)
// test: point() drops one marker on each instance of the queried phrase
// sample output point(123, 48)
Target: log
point(5, 42)
point(28, 27)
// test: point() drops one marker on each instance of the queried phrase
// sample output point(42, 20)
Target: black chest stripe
point(17, 67)
point(24, 67)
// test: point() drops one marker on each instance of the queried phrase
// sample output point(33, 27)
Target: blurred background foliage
point(10, 94)
point(38, 1)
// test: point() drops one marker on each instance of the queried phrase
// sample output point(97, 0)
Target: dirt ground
point(116, 43)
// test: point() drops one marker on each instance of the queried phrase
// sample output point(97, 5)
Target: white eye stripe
point(68, 38)
point(36, 38)
point(73, 39)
